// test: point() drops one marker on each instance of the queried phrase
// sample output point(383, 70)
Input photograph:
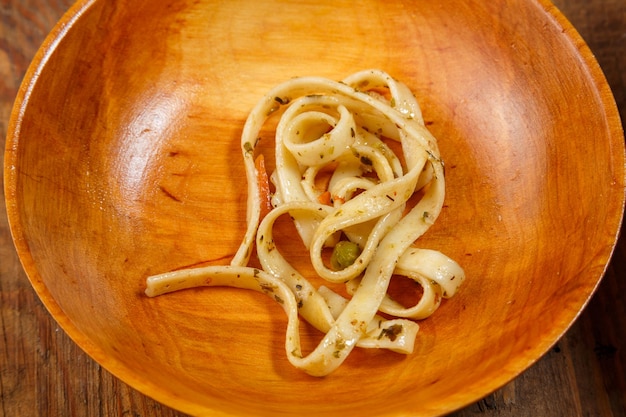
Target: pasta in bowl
point(341, 128)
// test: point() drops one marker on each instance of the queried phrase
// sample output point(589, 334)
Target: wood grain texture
point(44, 373)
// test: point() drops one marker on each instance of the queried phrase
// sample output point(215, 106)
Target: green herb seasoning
point(282, 100)
point(391, 332)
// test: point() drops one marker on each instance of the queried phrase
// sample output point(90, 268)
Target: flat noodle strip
point(342, 128)
point(314, 306)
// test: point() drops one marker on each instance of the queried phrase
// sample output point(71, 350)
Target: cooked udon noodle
point(379, 201)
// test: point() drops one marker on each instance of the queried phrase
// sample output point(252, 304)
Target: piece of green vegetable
point(344, 254)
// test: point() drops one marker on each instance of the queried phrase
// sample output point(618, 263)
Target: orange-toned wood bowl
point(123, 161)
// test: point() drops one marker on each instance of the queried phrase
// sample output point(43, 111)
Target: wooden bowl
point(123, 160)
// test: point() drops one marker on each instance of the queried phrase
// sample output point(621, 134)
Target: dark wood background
point(43, 373)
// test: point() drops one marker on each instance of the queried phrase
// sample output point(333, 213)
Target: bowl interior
point(123, 161)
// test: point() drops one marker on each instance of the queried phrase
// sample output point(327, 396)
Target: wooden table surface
point(43, 373)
